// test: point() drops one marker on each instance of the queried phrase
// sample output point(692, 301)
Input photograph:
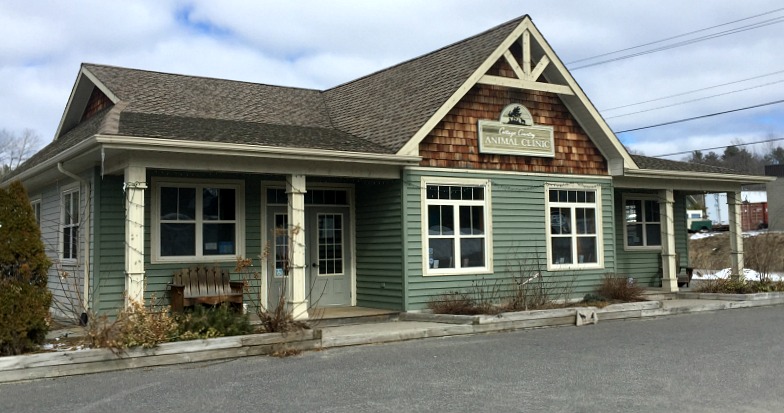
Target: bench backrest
point(203, 282)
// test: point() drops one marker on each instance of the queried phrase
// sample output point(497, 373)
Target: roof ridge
point(87, 65)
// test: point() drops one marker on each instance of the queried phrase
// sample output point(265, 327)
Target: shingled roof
point(646, 162)
point(388, 107)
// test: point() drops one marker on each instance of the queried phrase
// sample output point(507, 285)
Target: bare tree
point(16, 148)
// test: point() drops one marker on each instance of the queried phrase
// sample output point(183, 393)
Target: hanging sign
point(515, 134)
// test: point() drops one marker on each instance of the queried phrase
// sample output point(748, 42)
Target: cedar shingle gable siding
point(453, 143)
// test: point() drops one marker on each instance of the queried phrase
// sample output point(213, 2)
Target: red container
point(754, 216)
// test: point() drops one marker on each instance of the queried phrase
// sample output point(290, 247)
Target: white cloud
point(320, 44)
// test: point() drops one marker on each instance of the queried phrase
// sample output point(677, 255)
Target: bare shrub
point(620, 288)
point(455, 302)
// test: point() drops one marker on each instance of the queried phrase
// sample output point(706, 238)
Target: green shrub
point(24, 316)
point(203, 322)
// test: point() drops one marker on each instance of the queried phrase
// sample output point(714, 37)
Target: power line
point(675, 37)
point(718, 147)
point(694, 100)
point(684, 43)
point(699, 117)
point(692, 91)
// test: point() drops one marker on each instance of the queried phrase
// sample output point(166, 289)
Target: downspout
point(86, 293)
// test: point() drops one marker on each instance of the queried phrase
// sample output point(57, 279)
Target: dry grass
point(761, 252)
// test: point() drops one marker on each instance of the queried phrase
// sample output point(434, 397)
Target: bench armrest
point(237, 286)
point(177, 296)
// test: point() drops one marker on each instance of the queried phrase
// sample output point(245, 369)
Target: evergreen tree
point(22, 254)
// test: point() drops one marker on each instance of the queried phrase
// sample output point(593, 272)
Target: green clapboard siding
point(379, 259)
point(645, 266)
point(158, 276)
point(519, 238)
point(109, 279)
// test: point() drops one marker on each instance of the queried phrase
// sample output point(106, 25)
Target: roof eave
point(698, 176)
point(249, 150)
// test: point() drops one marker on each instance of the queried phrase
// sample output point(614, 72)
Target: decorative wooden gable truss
point(526, 64)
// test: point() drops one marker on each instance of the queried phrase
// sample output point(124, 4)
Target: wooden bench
point(203, 285)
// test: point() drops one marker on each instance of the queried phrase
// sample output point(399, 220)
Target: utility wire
point(718, 147)
point(699, 117)
point(684, 43)
point(691, 91)
point(675, 37)
point(694, 100)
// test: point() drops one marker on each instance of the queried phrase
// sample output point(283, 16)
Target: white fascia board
point(412, 146)
point(245, 150)
point(697, 176)
point(80, 149)
point(81, 91)
point(557, 72)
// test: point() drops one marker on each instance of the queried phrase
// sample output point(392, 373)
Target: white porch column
point(296, 285)
point(134, 186)
point(736, 234)
point(669, 266)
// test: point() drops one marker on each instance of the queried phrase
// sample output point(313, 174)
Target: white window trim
point(637, 197)
point(599, 264)
point(488, 207)
point(239, 250)
point(68, 190)
point(37, 215)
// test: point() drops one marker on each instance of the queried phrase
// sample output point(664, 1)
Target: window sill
point(433, 272)
point(192, 259)
point(575, 267)
point(642, 248)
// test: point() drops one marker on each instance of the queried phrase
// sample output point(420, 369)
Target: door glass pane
point(330, 244)
point(281, 237)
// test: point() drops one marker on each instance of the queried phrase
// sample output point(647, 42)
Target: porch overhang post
point(736, 234)
point(134, 186)
point(668, 255)
point(296, 285)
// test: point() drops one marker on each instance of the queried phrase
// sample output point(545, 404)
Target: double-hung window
point(574, 228)
point(197, 220)
point(457, 227)
point(643, 223)
point(69, 218)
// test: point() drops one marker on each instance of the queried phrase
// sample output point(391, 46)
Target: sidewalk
point(408, 326)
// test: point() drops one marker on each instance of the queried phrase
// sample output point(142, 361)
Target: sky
point(729, 56)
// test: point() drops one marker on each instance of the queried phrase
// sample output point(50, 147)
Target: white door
point(327, 255)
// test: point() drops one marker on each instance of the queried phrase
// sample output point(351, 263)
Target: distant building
point(775, 197)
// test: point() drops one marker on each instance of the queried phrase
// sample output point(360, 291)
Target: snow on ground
point(748, 274)
point(747, 234)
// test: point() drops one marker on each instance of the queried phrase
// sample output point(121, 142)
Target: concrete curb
point(410, 327)
point(733, 297)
